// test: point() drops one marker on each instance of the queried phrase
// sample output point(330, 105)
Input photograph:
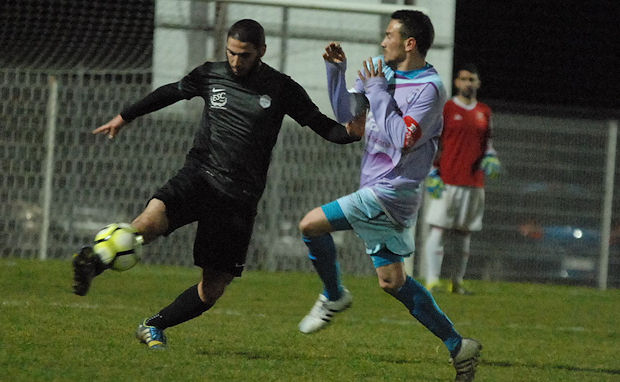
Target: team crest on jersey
point(218, 99)
point(264, 101)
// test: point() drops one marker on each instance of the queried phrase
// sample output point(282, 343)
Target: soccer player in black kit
point(224, 173)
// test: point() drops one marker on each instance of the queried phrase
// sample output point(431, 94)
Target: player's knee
point(307, 227)
point(437, 230)
point(210, 293)
point(314, 223)
point(152, 222)
point(213, 285)
point(390, 281)
point(304, 227)
point(391, 285)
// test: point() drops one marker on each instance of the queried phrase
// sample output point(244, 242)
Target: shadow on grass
point(545, 366)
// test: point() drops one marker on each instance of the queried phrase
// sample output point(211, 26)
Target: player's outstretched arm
point(344, 104)
point(159, 98)
point(111, 128)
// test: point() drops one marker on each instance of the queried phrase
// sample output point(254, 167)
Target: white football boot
point(323, 310)
point(466, 360)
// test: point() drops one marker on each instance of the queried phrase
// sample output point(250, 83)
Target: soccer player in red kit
point(456, 185)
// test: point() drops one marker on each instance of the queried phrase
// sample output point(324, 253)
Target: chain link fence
point(543, 220)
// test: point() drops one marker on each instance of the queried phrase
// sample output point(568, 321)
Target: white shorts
point(459, 208)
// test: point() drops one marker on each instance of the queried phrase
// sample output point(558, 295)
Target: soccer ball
point(119, 246)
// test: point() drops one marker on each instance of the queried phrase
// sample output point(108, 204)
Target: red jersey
point(463, 143)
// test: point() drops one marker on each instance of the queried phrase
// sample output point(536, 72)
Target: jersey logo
point(264, 101)
point(458, 117)
point(218, 99)
point(413, 134)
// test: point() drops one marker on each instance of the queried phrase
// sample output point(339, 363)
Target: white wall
point(175, 49)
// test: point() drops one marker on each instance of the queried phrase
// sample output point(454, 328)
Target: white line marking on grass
point(79, 305)
point(578, 329)
point(236, 313)
point(76, 305)
point(396, 322)
point(229, 312)
point(571, 329)
point(15, 303)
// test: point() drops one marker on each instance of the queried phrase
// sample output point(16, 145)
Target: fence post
point(284, 39)
point(50, 137)
point(607, 204)
point(221, 19)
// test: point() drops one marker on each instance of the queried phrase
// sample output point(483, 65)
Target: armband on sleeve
point(413, 134)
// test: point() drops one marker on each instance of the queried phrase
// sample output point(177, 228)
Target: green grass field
point(530, 332)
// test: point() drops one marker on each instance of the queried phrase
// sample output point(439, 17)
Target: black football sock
point(187, 306)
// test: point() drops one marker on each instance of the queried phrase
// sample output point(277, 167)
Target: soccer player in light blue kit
point(404, 98)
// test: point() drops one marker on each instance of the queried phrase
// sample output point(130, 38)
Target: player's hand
point(357, 126)
point(369, 70)
point(112, 127)
point(334, 53)
point(491, 166)
point(434, 184)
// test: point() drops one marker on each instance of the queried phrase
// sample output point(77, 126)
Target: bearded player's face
point(242, 56)
point(467, 83)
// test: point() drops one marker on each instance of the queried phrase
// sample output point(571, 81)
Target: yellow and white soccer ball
point(119, 246)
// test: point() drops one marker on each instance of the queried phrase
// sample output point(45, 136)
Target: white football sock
point(463, 243)
point(433, 252)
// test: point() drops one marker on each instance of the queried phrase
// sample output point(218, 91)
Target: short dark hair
point(418, 25)
point(472, 68)
point(248, 30)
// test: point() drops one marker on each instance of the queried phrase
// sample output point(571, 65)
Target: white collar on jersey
point(463, 105)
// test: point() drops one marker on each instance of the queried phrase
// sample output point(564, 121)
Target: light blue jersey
point(403, 127)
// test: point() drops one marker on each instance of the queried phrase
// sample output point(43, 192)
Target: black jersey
point(241, 121)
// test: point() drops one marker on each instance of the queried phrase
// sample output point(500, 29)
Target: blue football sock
point(423, 307)
point(323, 256)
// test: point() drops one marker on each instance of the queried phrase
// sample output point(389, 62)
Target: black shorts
point(224, 224)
